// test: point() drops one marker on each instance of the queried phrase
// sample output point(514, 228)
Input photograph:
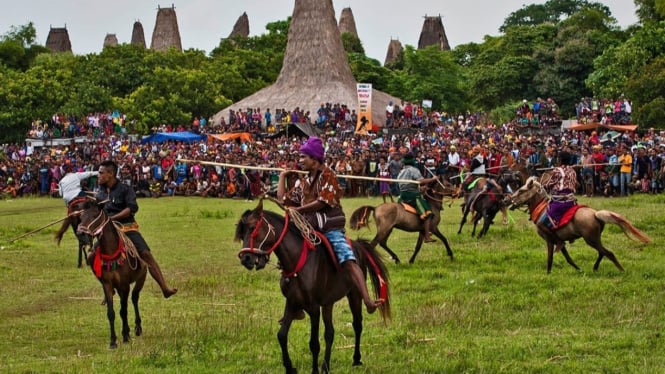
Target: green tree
point(352, 43)
point(646, 89)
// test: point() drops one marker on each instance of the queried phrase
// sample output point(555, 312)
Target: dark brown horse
point(73, 220)
point(310, 281)
point(391, 216)
point(484, 201)
point(587, 223)
point(116, 264)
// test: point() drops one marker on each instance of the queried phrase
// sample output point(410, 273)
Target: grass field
point(493, 309)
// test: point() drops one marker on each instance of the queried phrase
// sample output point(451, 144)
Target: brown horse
point(310, 280)
point(485, 200)
point(391, 216)
point(587, 223)
point(73, 220)
point(116, 264)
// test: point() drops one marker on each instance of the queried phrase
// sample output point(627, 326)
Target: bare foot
point(169, 292)
point(371, 308)
point(429, 240)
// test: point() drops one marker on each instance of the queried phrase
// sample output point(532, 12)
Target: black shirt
point(120, 196)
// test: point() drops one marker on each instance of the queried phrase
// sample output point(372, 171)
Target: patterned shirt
point(563, 181)
point(324, 187)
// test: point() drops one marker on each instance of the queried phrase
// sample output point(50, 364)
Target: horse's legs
point(355, 304)
point(328, 336)
point(382, 239)
point(314, 345)
point(443, 239)
point(283, 338)
point(550, 256)
point(136, 292)
point(419, 244)
point(123, 293)
point(564, 251)
point(110, 313)
point(602, 252)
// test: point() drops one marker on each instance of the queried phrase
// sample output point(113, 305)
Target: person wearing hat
point(317, 197)
point(410, 193)
point(477, 168)
point(561, 185)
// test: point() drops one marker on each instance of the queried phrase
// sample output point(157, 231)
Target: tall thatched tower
point(110, 41)
point(315, 69)
point(433, 33)
point(241, 28)
point(394, 49)
point(58, 40)
point(138, 37)
point(166, 33)
point(347, 23)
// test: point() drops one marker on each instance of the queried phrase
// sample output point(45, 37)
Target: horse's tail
point(360, 217)
point(627, 227)
point(378, 274)
point(58, 235)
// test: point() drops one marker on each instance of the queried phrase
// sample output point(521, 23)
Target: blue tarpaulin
point(183, 136)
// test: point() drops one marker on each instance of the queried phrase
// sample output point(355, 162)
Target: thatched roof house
point(166, 34)
point(241, 28)
point(347, 23)
point(315, 69)
point(110, 40)
point(433, 34)
point(58, 40)
point(138, 36)
point(394, 49)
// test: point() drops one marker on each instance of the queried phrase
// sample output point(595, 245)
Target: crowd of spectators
point(441, 143)
point(604, 111)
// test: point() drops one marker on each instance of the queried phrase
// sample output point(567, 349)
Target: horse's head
point(92, 217)
point(256, 233)
point(439, 189)
point(524, 194)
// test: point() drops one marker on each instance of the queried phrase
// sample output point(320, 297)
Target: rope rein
point(306, 229)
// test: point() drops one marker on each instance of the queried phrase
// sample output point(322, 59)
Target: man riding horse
point(410, 193)
point(561, 184)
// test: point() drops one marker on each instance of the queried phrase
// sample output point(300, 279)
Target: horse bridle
point(96, 226)
point(271, 230)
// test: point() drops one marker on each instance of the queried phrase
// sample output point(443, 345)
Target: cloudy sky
point(203, 22)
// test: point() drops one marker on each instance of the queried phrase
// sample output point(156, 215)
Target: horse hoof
point(357, 363)
point(113, 345)
point(125, 339)
point(138, 331)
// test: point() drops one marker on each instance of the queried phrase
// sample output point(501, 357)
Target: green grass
point(493, 309)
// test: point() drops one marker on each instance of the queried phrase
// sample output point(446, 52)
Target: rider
point(410, 193)
point(121, 207)
point(70, 185)
point(561, 184)
point(478, 168)
point(317, 197)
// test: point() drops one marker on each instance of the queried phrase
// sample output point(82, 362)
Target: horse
point(485, 200)
point(310, 280)
point(586, 223)
point(73, 220)
point(116, 264)
point(389, 216)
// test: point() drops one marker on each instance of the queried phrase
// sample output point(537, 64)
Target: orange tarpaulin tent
point(243, 136)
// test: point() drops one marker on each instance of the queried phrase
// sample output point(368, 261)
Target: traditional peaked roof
point(110, 40)
point(433, 33)
point(166, 33)
point(138, 36)
point(394, 49)
point(347, 22)
point(241, 28)
point(58, 40)
point(315, 69)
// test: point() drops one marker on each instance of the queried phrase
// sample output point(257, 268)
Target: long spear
point(39, 229)
point(264, 168)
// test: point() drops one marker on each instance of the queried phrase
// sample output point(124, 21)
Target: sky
point(202, 23)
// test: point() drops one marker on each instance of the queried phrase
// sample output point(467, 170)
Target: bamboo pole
point(264, 168)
